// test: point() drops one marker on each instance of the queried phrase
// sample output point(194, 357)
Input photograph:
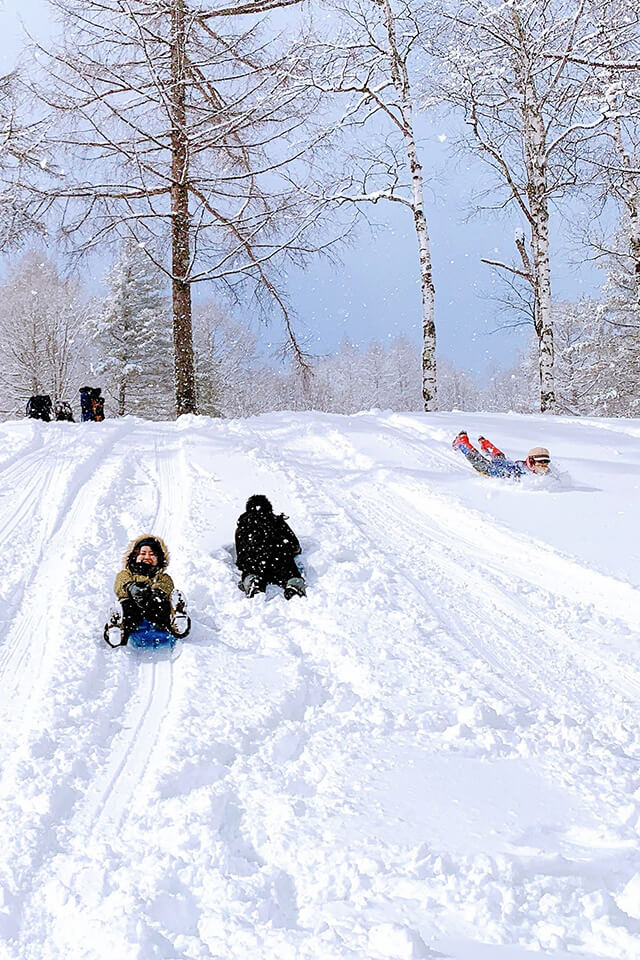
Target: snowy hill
point(436, 754)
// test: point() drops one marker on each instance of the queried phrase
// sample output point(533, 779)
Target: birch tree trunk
point(535, 148)
point(401, 83)
point(542, 277)
point(180, 221)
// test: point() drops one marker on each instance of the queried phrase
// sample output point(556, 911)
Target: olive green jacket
point(160, 581)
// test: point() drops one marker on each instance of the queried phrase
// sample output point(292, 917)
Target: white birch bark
point(537, 188)
point(401, 83)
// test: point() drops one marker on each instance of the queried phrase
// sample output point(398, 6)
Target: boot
point(180, 619)
point(462, 440)
point(295, 587)
point(250, 584)
point(114, 628)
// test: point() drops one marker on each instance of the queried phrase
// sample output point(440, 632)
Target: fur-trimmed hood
point(157, 544)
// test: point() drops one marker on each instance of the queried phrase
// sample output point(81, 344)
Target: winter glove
point(154, 605)
point(141, 593)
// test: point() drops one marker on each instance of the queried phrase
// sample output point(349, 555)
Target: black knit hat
point(259, 502)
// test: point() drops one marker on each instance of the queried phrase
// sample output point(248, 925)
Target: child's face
point(146, 555)
point(539, 465)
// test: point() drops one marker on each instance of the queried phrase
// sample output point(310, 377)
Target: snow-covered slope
point(436, 754)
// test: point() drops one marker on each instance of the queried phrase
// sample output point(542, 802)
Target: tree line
point(225, 142)
point(54, 339)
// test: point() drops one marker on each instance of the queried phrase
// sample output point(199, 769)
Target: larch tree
point(24, 162)
point(179, 132)
point(531, 118)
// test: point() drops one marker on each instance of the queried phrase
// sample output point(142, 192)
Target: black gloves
point(141, 593)
point(153, 605)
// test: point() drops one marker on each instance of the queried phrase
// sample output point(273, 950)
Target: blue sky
point(373, 293)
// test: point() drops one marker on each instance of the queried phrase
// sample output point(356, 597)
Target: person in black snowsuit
point(39, 407)
point(265, 550)
point(63, 411)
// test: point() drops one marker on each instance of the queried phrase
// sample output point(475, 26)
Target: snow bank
point(434, 755)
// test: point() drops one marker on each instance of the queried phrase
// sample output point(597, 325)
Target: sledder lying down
point(494, 463)
point(150, 611)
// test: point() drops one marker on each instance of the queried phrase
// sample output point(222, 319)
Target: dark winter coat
point(91, 403)
point(39, 407)
point(265, 543)
point(63, 411)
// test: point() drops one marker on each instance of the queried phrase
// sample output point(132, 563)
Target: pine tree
point(132, 337)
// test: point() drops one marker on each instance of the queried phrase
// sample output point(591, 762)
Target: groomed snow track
point(436, 754)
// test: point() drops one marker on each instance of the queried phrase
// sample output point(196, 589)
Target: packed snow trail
point(436, 754)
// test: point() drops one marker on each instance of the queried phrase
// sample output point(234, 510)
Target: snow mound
point(432, 755)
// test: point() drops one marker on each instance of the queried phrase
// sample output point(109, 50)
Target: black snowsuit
point(39, 407)
point(63, 411)
point(265, 544)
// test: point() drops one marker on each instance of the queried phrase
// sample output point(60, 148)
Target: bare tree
point(370, 63)
point(610, 53)
point(182, 134)
point(43, 347)
point(530, 117)
point(24, 161)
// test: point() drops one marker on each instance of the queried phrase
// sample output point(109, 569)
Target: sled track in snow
point(492, 616)
point(176, 811)
point(104, 808)
point(28, 638)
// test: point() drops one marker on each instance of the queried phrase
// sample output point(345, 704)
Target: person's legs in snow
point(295, 587)
point(287, 575)
point(114, 633)
point(475, 458)
point(487, 447)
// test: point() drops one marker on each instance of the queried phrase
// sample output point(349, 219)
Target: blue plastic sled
point(147, 635)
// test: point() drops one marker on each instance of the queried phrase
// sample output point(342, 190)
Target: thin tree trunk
point(401, 83)
point(180, 222)
point(535, 148)
point(542, 275)
point(122, 396)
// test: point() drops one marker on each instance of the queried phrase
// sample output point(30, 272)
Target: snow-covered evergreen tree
point(621, 314)
point(131, 334)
